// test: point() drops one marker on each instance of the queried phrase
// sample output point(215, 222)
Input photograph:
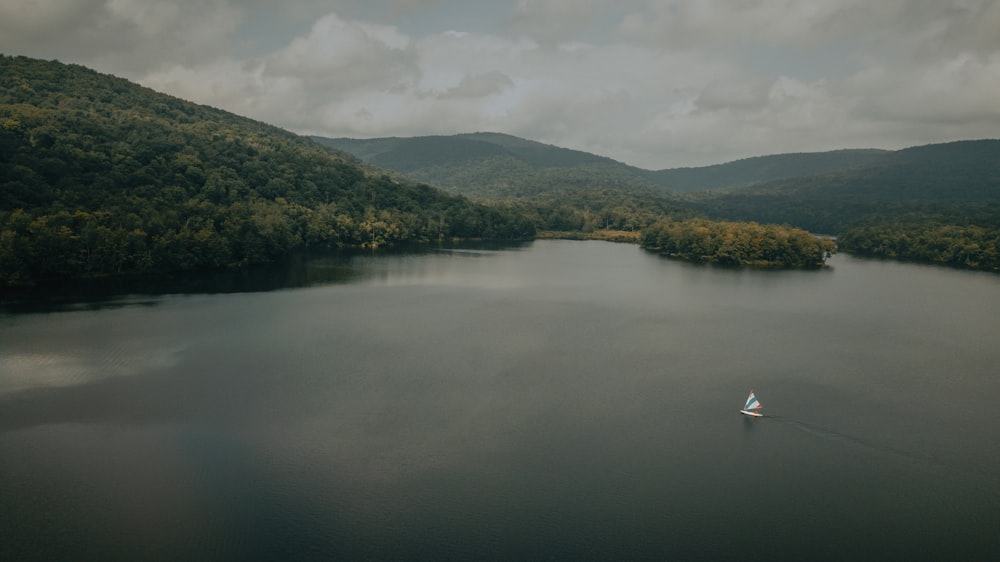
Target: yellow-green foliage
point(737, 243)
point(627, 236)
point(966, 246)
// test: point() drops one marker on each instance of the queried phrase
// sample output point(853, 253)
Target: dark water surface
point(560, 400)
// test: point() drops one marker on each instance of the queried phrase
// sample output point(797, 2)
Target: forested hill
point(496, 166)
point(760, 169)
point(413, 153)
point(102, 176)
point(558, 188)
point(951, 181)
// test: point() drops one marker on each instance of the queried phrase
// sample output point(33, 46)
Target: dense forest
point(585, 210)
point(737, 243)
point(101, 176)
point(925, 240)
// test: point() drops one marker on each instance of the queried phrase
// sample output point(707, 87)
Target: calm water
point(560, 400)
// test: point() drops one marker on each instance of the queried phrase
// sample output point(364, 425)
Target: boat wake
point(915, 460)
point(827, 433)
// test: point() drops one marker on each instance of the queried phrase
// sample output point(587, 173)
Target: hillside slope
point(951, 181)
point(761, 169)
point(499, 166)
point(558, 188)
point(494, 165)
point(101, 176)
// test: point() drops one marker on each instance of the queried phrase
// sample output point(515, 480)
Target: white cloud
point(347, 55)
point(654, 83)
point(119, 36)
point(904, 24)
point(25, 18)
point(479, 86)
point(711, 22)
point(336, 62)
point(551, 22)
point(746, 93)
point(949, 98)
point(239, 87)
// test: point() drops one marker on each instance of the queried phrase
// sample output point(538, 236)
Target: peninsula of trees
point(737, 243)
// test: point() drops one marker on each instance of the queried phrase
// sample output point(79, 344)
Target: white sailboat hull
point(754, 414)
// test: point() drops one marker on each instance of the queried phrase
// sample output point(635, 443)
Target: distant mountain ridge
point(493, 165)
point(406, 154)
point(497, 165)
point(823, 191)
point(958, 180)
point(761, 169)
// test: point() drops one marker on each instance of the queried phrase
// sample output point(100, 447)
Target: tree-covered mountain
point(960, 180)
point(761, 169)
point(494, 166)
point(558, 188)
point(101, 176)
point(499, 166)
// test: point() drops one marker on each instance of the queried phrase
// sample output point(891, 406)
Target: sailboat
point(752, 407)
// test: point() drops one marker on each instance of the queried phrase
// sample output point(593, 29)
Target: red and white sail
point(753, 406)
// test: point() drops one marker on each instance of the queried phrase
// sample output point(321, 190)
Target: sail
point(752, 403)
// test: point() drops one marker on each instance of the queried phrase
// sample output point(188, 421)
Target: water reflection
point(300, 269)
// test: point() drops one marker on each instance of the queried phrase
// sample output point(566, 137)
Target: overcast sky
point(653, 83)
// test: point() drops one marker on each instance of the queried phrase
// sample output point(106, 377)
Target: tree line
point(968, 246)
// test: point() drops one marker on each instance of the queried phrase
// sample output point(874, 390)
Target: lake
point(552, 400)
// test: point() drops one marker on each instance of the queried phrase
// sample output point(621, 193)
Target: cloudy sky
point(654, 83)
